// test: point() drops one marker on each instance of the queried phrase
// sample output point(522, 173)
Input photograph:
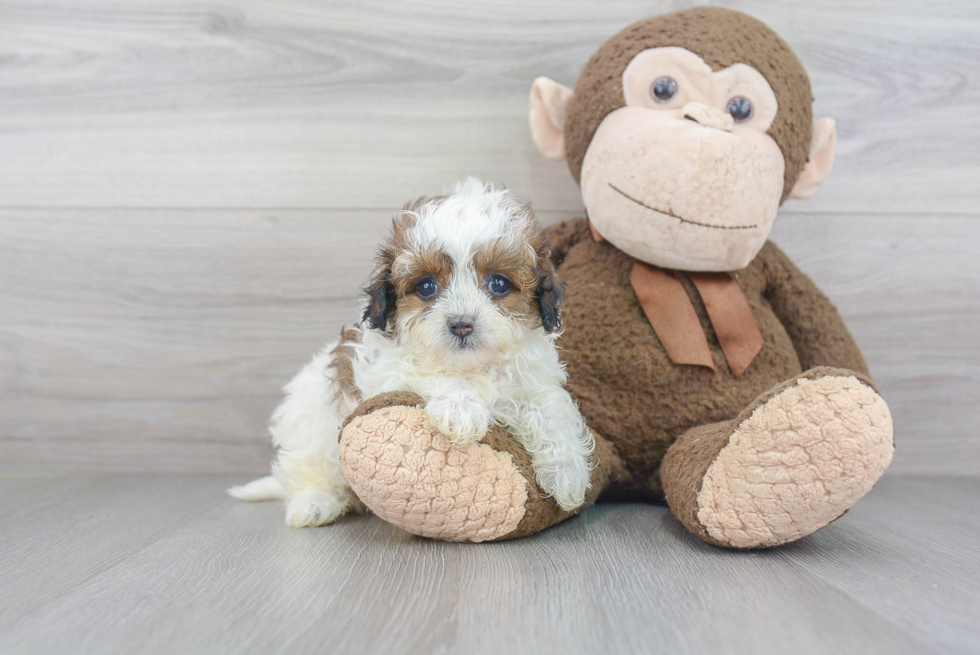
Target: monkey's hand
point(562, 236)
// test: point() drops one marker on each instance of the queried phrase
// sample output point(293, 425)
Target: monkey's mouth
point(673, 215)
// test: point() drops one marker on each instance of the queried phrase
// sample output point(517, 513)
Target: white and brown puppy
point(462, 310)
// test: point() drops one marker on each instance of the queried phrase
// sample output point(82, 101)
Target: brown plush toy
point(713, 373)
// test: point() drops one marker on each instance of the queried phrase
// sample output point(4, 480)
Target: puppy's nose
point(461, 325)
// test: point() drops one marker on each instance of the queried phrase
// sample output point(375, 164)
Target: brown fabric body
point(722, 37)
point(540, 512)
point(626, 385)
point(689, 457)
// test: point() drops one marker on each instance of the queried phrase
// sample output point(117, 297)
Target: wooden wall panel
point(190, 195)
point(301, 103)
point(159, 339)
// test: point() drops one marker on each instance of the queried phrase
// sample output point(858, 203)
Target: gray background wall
point(190, 194)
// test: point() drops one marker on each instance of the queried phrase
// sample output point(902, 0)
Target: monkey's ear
point(822, 147)
point(550, 294)
point(549, 102)
point(381, 299)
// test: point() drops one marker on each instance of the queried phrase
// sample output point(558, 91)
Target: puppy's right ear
point(550, 294)
point(381, 299)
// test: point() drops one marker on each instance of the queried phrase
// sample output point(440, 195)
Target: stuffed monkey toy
point(714, 374)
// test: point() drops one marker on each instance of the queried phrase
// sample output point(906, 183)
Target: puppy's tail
point(267, 488)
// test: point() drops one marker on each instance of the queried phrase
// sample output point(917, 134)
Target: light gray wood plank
point(159, 339)
point(295, 103)
point(87, 523)
point(620, 578)
point(900, 542)
point(146, 317)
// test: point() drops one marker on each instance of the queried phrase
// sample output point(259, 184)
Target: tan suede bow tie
point(670, 312)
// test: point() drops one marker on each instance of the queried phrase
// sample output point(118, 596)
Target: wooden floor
point(190, 196)
point(147, 563)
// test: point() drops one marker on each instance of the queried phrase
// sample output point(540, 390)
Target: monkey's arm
point(562, 236)
point(816, 329)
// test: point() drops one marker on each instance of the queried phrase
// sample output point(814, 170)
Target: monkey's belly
point(627, 387)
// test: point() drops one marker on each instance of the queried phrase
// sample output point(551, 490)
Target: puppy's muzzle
point(461, 326)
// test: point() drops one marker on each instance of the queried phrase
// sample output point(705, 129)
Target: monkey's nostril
point(707, 116)
point(461, 325)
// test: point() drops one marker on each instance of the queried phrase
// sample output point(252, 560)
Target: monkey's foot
point(411, 476)
point(793, 462)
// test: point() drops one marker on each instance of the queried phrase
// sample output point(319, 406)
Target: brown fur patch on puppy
point(382, 291)
point(410, 267)
point(409, 270)
point(537, 289)
point(343, 364)
point(515, 261)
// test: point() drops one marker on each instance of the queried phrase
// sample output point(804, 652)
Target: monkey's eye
point(740, 108)
point(499, 285)
point(427, 288)
point(663, 89)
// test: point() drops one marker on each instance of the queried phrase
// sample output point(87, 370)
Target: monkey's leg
point(795, 460)
point(412, 477)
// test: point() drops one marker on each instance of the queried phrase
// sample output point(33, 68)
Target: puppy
point(463, 310)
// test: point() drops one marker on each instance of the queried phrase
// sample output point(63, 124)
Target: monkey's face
point(685, 175)
point(686, 132)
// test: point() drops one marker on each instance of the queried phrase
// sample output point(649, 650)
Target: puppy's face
point(464, 277)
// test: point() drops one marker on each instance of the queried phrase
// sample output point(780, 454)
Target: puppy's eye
point(740, 108)
point(427, 288)
point(663, 89)
point(499, 285)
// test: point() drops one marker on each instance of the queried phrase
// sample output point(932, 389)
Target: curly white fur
point(507, 372)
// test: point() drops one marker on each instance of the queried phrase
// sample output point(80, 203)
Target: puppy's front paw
point(463, 420)
point(314, 507)
point(566, 479)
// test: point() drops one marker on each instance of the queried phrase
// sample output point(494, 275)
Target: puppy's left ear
point(381, 298)
point(550, 294)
